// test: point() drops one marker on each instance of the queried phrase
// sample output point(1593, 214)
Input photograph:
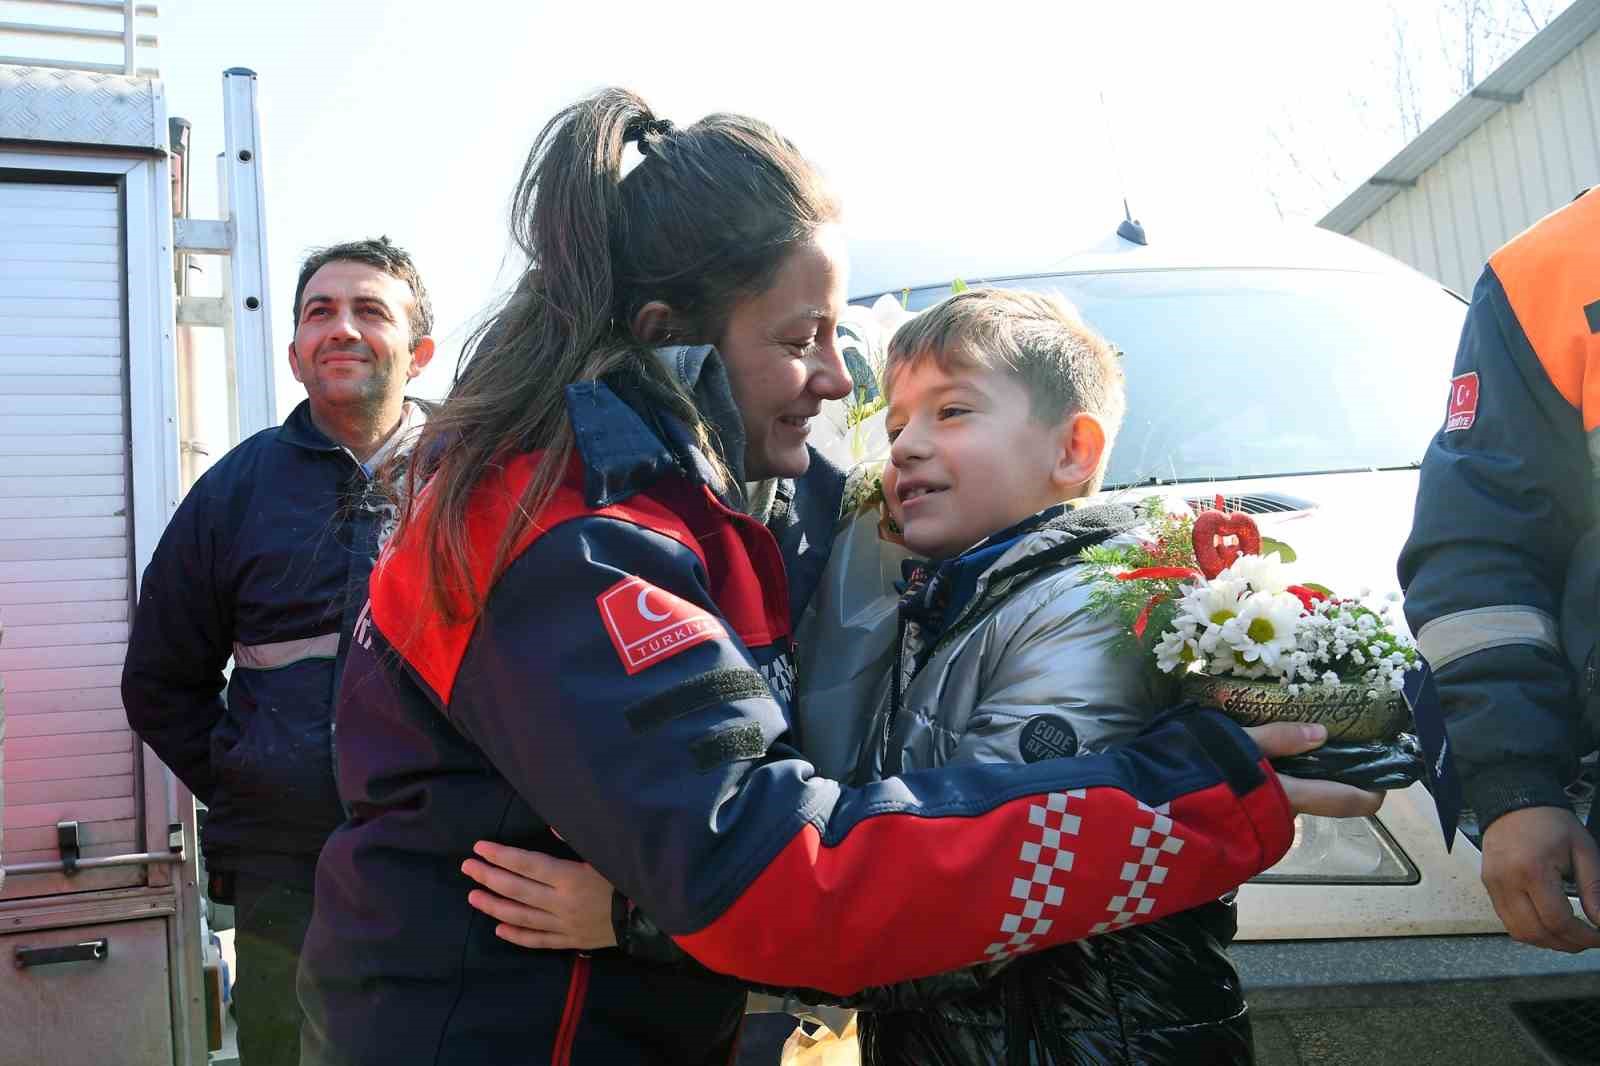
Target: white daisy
point(1210, 606)
point(1227, 661)
point(1263, 573)
point(1178, 651)
point(1265, 628)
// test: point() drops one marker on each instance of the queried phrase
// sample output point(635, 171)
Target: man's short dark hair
point(382, 254)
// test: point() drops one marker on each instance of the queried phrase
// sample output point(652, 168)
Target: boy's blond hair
point(1065, 366)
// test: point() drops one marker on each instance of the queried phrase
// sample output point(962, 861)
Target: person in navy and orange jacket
point(1502, 568)
point(579, 642)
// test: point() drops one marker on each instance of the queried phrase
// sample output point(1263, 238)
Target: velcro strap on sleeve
point(710, 689)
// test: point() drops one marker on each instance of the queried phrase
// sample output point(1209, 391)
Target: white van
point(1302, 375)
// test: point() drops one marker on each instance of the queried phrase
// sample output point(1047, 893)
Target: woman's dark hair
point(705, 218)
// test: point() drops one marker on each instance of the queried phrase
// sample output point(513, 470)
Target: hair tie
point(641, 132)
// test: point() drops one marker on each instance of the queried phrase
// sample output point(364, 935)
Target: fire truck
point(102, 340)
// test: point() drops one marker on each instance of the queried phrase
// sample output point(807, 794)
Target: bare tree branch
point(1438, 52)
point(1533, 20)
point(1406, 97)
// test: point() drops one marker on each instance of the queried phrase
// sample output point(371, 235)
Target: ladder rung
point(202, 311)
point(203, 236)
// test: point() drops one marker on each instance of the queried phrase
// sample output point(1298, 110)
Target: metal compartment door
point(90, 993)
point(66, 586)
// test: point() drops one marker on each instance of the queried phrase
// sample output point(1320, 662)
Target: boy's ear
point(1083, 449)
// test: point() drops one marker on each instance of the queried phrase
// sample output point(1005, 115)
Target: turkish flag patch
point(648, 625)
point(1463, 402)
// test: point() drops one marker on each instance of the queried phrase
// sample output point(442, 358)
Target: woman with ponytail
point(578, 642)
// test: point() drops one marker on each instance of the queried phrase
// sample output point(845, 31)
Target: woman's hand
point(1326, 798)
point(539, 900)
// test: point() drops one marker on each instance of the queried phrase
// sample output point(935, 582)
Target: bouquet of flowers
point(1216, 606)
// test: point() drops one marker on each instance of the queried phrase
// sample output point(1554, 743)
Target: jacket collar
point(939, 595)
point(299, 431)
point(626, 442)
point(624, 446)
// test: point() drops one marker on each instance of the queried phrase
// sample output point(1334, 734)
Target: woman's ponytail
point(705, 219)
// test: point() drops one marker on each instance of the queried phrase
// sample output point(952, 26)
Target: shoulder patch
point(1463, 410)
point(648, 625)
point(1047, 736)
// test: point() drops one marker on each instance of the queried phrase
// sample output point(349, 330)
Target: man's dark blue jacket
point(266, 560)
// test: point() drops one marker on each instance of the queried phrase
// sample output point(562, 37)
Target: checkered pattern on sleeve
point(1045, 860)
point(1155, 844)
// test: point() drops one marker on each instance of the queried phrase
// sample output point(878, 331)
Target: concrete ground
point(1404, 1036)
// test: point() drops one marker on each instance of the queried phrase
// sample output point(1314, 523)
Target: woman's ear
point(1083, 452)
point(653, 323)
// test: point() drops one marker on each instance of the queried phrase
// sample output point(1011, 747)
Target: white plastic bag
point(822, 1047)
point(846, 638)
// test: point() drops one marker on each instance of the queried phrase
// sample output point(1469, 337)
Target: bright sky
point(985, 119)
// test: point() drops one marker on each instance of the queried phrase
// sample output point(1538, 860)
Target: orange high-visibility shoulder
point(1551, 273)
point(401, 606)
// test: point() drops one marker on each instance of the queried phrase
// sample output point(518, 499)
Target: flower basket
point(1215, 605)
point(1351, 712)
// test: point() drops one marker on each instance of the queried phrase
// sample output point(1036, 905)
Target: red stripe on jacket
point(434, 648)
point(883, 894)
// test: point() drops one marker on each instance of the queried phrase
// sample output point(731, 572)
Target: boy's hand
point(1325, 798)
point(539, 900)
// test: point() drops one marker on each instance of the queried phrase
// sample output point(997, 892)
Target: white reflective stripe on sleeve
point(1446, 639)
point(285, 652)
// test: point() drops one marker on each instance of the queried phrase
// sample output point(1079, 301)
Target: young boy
point(1003, 407)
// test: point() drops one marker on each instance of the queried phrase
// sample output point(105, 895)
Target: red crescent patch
point(1463, 402)
point(648, 625)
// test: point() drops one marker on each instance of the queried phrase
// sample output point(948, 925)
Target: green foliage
point(1171, 543)
point(1285, 553)
point(858, 413)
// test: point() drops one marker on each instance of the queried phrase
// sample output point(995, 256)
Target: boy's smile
point(968, 457)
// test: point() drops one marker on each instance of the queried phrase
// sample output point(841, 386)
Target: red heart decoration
point(1210, 530)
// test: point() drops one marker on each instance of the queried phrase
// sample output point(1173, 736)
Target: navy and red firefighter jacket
point(1502, 567)
point(621, 695)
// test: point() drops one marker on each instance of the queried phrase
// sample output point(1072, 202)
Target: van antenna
point(1129, 228)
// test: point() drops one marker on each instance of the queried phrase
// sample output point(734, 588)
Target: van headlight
point(1341, 851)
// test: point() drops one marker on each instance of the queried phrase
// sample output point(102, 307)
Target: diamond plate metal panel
point(78, 107)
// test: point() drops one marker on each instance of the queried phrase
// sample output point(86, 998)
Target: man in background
point(266, 561)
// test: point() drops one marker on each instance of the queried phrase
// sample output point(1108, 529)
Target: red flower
point(1143, 620)
point(1160, 573)
point(1308, 597)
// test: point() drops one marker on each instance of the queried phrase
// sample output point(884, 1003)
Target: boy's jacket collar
point(937, 595)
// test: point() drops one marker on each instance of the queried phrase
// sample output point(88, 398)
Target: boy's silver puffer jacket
point(1001, 659)
point(1019, 668)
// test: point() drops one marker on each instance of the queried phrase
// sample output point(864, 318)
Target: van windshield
point(1259, 372)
